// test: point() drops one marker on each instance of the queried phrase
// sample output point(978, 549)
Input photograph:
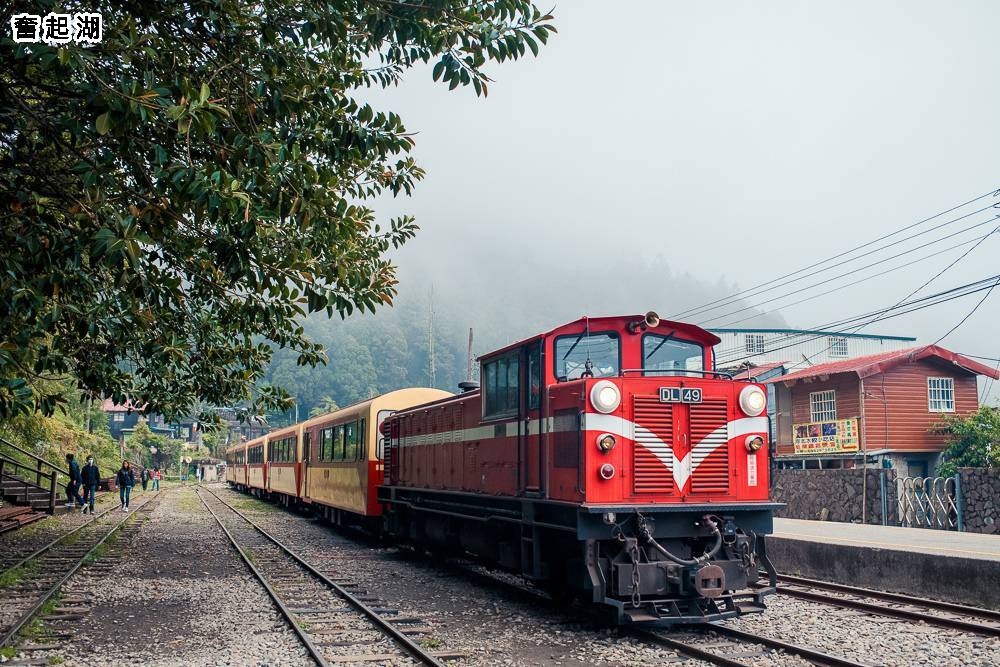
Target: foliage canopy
point(975, 441)
point(174, 198)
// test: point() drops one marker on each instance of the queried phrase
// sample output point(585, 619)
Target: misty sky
point(663, 154)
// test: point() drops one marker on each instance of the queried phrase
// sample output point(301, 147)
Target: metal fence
point(931, 502)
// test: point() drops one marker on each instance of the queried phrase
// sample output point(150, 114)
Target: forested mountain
point(372, 354)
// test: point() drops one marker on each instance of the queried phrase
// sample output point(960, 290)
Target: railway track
point(732, 644)
point(35, 581)
point(933, 612)
point(336, 621)
point(10, 562)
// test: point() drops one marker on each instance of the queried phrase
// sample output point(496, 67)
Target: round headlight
point(753, 400)
point(606, 442)
point(754, 443)
point(607, 471)
point(605, 397)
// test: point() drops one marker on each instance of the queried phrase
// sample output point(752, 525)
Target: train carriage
point(284, 467)
point(343, 454)
point(236, 465)
point(605, 458)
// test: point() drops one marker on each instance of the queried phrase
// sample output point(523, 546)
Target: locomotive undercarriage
point(616, 557)
point(709, 575)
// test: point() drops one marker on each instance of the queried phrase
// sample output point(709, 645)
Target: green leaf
point(102, 123)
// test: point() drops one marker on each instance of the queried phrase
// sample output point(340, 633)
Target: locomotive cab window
point(665, 354)
point(572, 353)
point(500, 389)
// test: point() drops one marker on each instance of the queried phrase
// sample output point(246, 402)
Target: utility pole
point(432, 371)
point(468, 359)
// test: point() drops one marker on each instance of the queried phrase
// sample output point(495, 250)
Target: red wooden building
point(881, 405)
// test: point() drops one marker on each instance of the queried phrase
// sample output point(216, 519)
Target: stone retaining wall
point(981, 499)
point(833, 495)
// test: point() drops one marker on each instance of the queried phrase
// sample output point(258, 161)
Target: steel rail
point(54, 542)
point(27, 616)
point(812, 655)
point(907, 614)
point(314, 651)
point(989, 614)
point(688, 649)
point(411, 647)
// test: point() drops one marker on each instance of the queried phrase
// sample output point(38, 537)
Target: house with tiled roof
point(882, 407)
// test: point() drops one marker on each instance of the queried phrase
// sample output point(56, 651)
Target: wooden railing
point(39, 468)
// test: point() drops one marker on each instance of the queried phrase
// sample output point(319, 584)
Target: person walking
point(73, 496)
point(156, 479)
point(144, 476)
point(90, 476)
point(125, 480)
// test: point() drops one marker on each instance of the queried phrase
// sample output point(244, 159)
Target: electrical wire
point(848, 273)
point(711, 305)
point(905, 307)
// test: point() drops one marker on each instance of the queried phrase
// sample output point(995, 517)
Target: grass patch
point(57, 660)
point(254, 505)
point(35, 630)
point(15, 576)
point(431, 642)
point(8, 652)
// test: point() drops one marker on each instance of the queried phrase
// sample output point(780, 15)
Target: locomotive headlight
point(753, 400)
point(607, 471)
point(606, 442)
point(605, 397)
point(754, 443)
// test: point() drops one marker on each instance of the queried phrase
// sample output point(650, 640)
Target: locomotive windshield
point(667, 354)
point(572, 353)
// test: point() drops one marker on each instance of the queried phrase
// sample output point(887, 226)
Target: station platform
point(945, 565)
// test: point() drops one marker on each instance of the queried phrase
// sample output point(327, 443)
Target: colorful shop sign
point(832, 437)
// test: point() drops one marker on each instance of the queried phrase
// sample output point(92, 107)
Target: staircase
point(27, 482)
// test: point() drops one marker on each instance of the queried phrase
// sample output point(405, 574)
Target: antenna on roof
point(468, 359)
point(588, 366)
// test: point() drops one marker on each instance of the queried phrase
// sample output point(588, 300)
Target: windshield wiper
point(656, 349)
point(573, 347)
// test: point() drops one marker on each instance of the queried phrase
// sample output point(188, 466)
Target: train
point(605, 460)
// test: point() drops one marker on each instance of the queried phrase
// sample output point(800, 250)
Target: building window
point(838, 347)
point(755, 343)
point(941, 394)
point(823, 406)
point(118, 417)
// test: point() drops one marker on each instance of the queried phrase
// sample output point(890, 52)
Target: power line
point(745, 292)
point(925, 284)
point(969, 314)
point(848, 273)
point(909, 306)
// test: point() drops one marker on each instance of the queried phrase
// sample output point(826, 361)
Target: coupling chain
point(634, 555)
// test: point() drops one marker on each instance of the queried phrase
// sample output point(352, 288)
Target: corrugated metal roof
point(874, 364)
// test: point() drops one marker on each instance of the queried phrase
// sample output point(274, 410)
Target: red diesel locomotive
point(604, 459)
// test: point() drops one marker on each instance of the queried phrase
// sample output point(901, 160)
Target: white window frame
point(838, 347)
point(118, 417)
point(940, 398)
point(754, 343)
point(823, 405)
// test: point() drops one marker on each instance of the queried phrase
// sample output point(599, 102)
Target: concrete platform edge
point(953, 579)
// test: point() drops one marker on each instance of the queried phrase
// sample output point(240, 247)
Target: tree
point(174, 198)
point(975, 441)
point(326, 405)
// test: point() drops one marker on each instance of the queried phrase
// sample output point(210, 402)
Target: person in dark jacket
point(90, 476)
point(73, 496)
point(126, 480)
point(144, 476)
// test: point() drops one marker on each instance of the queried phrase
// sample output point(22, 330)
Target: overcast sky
point(734, 142)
